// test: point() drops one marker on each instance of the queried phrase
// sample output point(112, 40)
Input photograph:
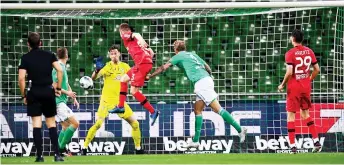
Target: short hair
point(113, 47)
point(34, 39)
point(179, 45)
point(124, 26)
point(61, 53)
point(297, 35)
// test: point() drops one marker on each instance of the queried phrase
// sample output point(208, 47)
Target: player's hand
point(280, 88)
point(148, 77)
point(99, 63)
point(71, 94)
point(24, 101)
point(76, 104)
point(57, 93)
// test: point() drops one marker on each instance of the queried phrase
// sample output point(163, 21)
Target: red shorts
point(298, 100)
point(138, 74)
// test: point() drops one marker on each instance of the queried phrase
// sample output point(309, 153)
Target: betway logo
point(283, 143)
point(16, 148)
point(205, 145)
point(98, 148)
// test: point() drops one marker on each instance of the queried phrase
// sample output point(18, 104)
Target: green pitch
point(321, 158)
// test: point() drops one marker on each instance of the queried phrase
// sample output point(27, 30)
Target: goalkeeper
point(198, 72)
point(112, 73)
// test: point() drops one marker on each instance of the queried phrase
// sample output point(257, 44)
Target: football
point(86, 82)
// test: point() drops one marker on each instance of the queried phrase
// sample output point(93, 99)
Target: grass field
point(320, 158)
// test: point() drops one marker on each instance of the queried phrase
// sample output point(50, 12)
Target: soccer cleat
point(39, 159)
point(139, 152)
point(65, 153)
point(317, 147)
point(154, 116)
point(84, 151)
point(191, 144)
point(242, 135)
point(293, 150)
point(117, 110)
point(58, 158)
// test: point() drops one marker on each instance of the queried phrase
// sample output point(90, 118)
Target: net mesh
point(244, 47)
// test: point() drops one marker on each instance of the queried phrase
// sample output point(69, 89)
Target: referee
point(40, 95)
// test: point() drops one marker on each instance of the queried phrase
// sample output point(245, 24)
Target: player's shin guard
point(37, 138)
point(291, 133)
point(54, 139)
point(136, 134)
point(312, 129)
point(230, 120)
point(144, 102)
point(92, 132)
point(123, 94)
point(198, 127)
point(67, 137)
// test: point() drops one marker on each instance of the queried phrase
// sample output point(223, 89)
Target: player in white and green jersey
point(199, 73)
point(65, 115)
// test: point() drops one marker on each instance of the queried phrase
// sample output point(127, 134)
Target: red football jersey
point(138, 52)
point(301, 58)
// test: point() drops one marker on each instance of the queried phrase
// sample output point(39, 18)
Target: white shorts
point(63, 112)
point(204, 89)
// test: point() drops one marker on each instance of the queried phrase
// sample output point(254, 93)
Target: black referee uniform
point(40, 95)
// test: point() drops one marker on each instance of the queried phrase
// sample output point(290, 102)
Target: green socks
point(198, 126)
point(68, 134)
point(61, 135)
point(229, 119)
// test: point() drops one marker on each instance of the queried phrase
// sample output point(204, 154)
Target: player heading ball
point(198, 72)
point(299, 60)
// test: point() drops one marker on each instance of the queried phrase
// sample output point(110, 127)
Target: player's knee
point(135, 125)
point(75, 124)
point(304, 115)
point(133, 90)
point(290, 117)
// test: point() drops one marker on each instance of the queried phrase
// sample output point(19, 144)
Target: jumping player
point(299, 59)
point(112, 73)
point(198, 72)
point(65, 115)
point(142, 56)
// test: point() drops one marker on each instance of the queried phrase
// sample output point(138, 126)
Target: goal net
point(244, 47)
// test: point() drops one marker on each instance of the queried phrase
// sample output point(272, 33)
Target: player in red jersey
point(299, 60)
point(143, 59)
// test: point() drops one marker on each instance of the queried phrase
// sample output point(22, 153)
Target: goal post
point(244, 43)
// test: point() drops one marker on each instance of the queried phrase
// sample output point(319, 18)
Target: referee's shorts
point(41, 100)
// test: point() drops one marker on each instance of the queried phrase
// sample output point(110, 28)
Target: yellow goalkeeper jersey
point(112, 74)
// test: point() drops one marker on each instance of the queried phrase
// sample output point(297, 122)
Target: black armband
point(58, 89)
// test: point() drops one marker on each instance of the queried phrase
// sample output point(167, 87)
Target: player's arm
point(316, 68)
point(143, 43)
point(162, 68)
point(21, 77)
point(288, 74)
point(99, 68)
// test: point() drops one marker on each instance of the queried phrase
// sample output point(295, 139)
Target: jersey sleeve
point(23, 64)
point(314, 59)
point(127, 36)
point(289, 59)
point(175, 60)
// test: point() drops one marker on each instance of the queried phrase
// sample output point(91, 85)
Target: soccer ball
point(86, 82)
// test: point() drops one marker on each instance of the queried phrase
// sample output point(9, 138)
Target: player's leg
point(124, 88)
point(291, 105)
point(102, 114)
point(64, 126)
point(199, 106)
point(305, 106)
point(228, 118)
point(73, 124)
point(138, 80)
point(129, 117)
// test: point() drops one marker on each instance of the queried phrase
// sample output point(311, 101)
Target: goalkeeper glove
point(99, 64)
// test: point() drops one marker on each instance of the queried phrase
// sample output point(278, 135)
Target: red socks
point(123, 94)
point(311, 126)
point(291, 133)
point(144, 102)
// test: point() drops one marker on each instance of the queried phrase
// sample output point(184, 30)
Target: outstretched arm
point(160, 69)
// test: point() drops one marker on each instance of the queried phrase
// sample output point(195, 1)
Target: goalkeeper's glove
point(99, 64)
